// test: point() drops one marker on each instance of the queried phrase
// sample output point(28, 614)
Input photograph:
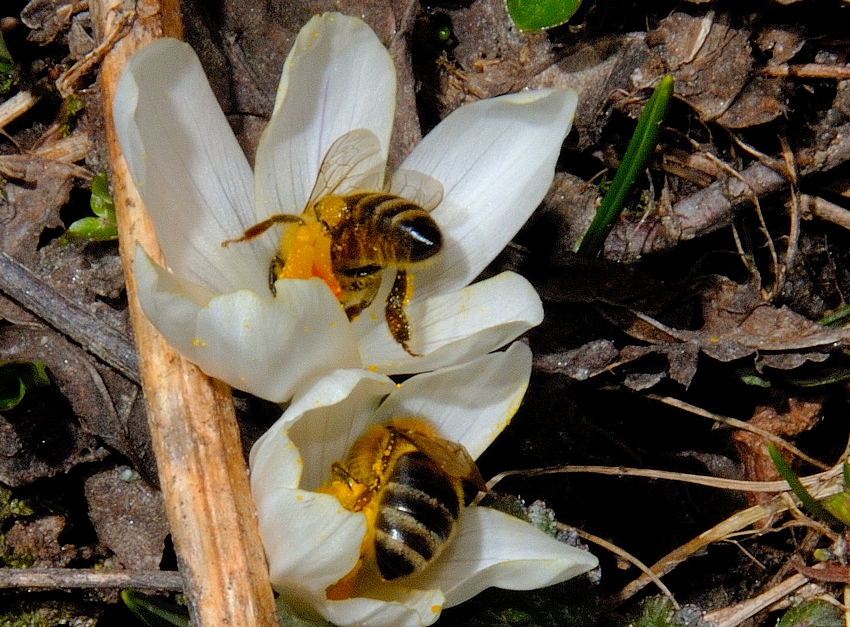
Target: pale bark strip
point(54, 578)
point(195, 436)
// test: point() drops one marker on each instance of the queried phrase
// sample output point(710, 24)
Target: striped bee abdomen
point(383, 229)
point(417, 514)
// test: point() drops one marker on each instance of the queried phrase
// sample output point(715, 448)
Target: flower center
point(308, 255)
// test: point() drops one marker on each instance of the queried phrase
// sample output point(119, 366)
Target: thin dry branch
point(67, 317)
point(739, 424)
point(193, 427)
point(736, 614)
point(60, 578)
point(820, 485)
point(715, 206)
point(625, 555)
point(622, 471)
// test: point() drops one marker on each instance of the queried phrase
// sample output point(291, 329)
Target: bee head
point(421, 237)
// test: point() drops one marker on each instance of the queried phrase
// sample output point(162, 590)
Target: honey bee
point(348, 239)
point(412, 485)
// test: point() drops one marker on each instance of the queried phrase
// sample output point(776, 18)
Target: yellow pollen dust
point(348, 494)
point(309, 256)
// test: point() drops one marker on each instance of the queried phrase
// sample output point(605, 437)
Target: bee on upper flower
point(349, 240)
point(333, 303)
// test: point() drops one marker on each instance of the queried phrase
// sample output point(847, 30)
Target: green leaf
point(541, 14)
point(814, 613)
point(837, 318)
point(640, 150)
point(71, 106)
point(155, 612)
point(660, 612)
point(17, 377)
point(815, 508)
point(8, 73)
point(289, 616)
point(101, 228)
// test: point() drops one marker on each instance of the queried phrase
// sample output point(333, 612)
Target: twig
point(193, 427)
point(622, 553)
point(64, 315)
point(621, 471)
point(739, 424)
point(714, 207)
point(736, 614)
point(16, 106)
point(54, 578)
point(829, 482)
point(808, 70)
point(826, 210)
point(66, 84)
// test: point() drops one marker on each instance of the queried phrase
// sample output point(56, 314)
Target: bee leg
point(359, 288)
point(340, 473)
point(394, 310)
point(261, 227)
point(361, 494)
point(275, 269)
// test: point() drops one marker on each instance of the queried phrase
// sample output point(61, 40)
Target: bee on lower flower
point(412, 486)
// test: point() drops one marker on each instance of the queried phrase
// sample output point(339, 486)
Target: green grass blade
point(814, 507)
point(154, 612)
point(640, 150)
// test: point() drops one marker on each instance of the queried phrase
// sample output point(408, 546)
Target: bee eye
point(423, 237)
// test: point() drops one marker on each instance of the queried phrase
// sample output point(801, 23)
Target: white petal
point(493, 549)
point(416, 608)
point(191, 172)
point(338, 77)
point(310, 541)
point(468, 404)
point(496, 160)
point(276, 463)
point(327, 417)
point(269, 347)
point(452, 328)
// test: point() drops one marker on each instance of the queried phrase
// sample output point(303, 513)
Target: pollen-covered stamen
point(308, 255)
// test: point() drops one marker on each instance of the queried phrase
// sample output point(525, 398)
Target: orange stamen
point(309, 256)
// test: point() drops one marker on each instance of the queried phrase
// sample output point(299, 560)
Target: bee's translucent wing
point(354, 161)
point(452, 457)
point(418, 188)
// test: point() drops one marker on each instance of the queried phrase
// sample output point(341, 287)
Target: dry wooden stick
point(87, 578)
point(829, 482)
point(194, 431)
point(734, 615)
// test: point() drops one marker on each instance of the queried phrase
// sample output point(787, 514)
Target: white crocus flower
point(312, 542)
point(495, 160)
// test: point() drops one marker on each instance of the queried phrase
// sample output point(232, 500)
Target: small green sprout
point(98, 229)
point(71, 106)
point(641, 147)
point(813, 613)
point(660, 612)
point(8, 73)
point(155, 612)
point(17, 377)
point(541, 14)
point(834, 509)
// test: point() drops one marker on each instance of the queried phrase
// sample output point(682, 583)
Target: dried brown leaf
point(129, 518)
point(710, 59)
point(800, 415)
